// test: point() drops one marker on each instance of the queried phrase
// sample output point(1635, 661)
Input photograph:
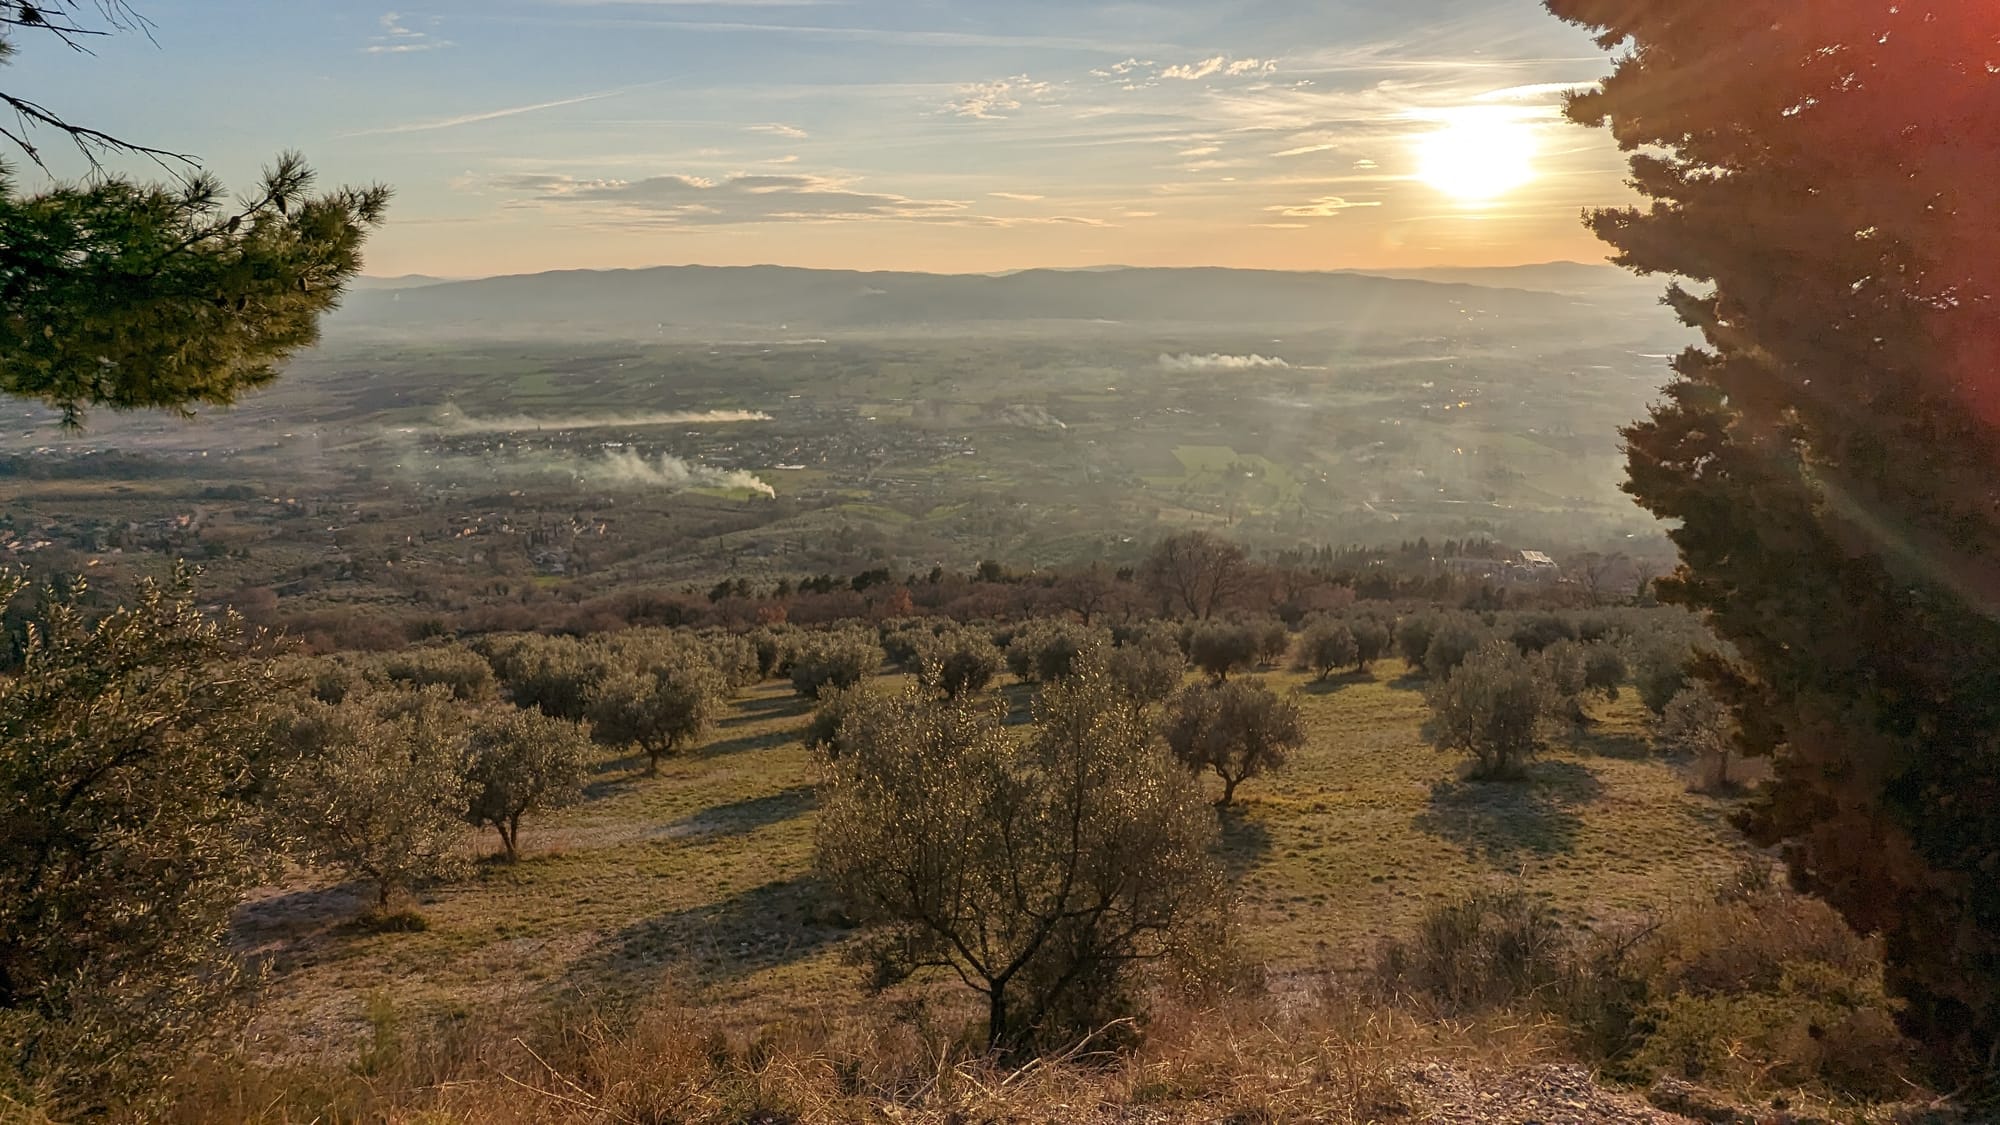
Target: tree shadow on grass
point(267, 929)
point(778, 923)
point(767, 740)
point(611, 776)
point(1243, 841)
point(765, 704)
point(1626, 745)
point(763, 709)
point(1410, 681)
point(740, 818)
point(1503, 821)
point(1334, 684)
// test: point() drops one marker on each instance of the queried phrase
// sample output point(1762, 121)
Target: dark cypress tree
point(1827, 174)
point(131, 295)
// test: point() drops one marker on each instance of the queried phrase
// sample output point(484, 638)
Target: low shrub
point(1756, 990)
point(1495, 949)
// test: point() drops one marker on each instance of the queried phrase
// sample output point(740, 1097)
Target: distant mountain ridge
point(680, 299)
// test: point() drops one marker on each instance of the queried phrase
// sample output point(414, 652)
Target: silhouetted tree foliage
point(1829, 458)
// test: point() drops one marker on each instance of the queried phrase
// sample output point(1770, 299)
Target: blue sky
point(949, 135)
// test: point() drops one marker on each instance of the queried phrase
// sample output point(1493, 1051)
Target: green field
point(699, 882)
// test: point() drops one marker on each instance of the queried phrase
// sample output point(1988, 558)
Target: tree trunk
point(1229, 785)
point(996, 1017)
point(652, 761)
point(509, 833)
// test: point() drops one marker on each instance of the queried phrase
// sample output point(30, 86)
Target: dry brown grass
point(684, 911)
point(1329, 1056)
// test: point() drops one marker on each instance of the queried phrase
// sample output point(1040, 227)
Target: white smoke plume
point(626, 469)
point(1220, 362)
point(453, 421)
point(619, 470)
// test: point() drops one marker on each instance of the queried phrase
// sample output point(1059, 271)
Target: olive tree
point(1496, 706)
point(959, 662)
point(661, 708)
point(379, 790)
point(555, 675)
point(1326, 647)
point(1148, 668)
point(135, 759)
point(459, 669)
point(1698, 724)
point(1050, 649)
point(1453, 640)
point(1042, 872)
point(838, 707)
point(519, 762)
point(1221, 647)
point(833, 660)
point(1372, 641)
point(1238, 730)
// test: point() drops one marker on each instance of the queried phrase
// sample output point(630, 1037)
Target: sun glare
point(1476, 155)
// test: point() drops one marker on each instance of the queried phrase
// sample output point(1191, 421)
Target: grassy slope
point(703, 876)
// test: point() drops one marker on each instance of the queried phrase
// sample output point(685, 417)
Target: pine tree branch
point(91, 143)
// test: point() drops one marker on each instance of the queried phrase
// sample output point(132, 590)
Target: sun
point(1478, 155)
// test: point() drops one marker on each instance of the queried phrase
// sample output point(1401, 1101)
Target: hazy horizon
point(1380, 270)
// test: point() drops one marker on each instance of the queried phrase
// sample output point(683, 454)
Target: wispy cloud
point(1219, 64)
point(1324, 207)
point(904, 37)
point(1017, 196)
point(695, 202)
point(792, 132)
point(699, 201)
point(475, 118)
point(399, 38)
point(993, 101)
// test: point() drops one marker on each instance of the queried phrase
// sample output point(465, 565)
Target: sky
point(940, 135)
